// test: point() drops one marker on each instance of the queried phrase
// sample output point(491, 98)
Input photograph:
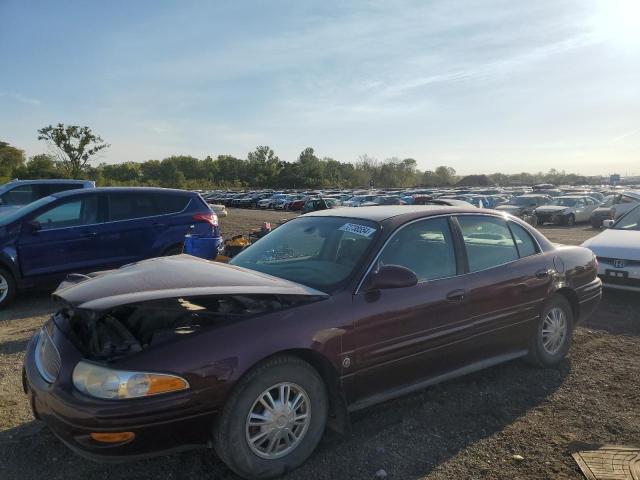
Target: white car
point(567, 210)
point(618, 251)
point(219, 210)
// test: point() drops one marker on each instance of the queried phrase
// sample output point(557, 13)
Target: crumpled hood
point(612, 243)
point(166, 277)
point(551, 208)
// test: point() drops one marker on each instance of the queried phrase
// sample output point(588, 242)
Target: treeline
point(263, 169)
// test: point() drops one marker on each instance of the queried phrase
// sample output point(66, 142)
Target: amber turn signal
point(165, 383)
point(115, 437)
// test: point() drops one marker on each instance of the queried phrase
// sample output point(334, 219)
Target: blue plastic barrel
point(202, 246)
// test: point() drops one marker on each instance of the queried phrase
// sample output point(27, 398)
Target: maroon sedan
point(330, 313)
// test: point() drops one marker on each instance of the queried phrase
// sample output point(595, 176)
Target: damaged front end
point(128, 329)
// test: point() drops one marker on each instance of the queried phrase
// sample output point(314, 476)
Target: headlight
point(101, 382)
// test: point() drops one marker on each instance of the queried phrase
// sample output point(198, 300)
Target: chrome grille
point(47, 357)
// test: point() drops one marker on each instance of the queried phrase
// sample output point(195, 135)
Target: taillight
point(210, 218)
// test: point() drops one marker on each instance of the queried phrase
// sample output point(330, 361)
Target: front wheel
point(8, 288)
point(570, 221)
point(552, 339)
point(273, 420)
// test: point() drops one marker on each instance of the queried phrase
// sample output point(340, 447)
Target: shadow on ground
point(409, 436)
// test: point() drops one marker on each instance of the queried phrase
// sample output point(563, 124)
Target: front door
point(64, 238)
point(408, 334)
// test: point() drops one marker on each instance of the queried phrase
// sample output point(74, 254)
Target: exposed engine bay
point(131, 328)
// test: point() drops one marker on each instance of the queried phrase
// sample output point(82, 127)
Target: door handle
point(89, 233)
point(456, 296)
point(542, 273)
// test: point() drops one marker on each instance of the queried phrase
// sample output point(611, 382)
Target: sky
point(481, 86)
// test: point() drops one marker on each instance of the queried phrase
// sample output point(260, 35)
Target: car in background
point(270, 201)
point(566, 210)
point(358, 200)
point(384, 200)
point(316, 204)
point(219, 209)
point(331, 312)
point(524, 205)
point(614, 206)
point(78, 231)
point(618, 251)
point(17, 193)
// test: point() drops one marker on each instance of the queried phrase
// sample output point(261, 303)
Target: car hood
point(174, 276)
point(612, 243)
point(551, 208)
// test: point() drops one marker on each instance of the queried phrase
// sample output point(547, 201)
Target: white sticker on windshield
point(361, 230)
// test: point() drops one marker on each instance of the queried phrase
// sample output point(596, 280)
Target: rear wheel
point(552, 338)
point(570, 221)
point(273, 420)
point(7, 287)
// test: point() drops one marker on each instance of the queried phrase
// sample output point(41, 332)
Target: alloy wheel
point(554, 330)
point(278, 420)
point(4, 288)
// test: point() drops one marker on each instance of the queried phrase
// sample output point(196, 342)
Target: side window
point(169, 203)
point(425, 247)
point(128, 206)
point(20, 195)
point(488, 241)
point(73, 213)
point(524, 242)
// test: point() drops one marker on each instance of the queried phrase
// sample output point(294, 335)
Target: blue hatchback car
point(86, 230)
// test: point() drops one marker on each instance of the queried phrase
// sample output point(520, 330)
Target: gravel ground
point(463, 429)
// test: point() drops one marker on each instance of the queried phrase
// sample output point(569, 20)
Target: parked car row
point(537, 205)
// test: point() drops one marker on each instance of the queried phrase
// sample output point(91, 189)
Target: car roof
point(384, 212)
point(69, 193)
point(49, 180)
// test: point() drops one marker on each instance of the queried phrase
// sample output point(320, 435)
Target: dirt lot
point(464, 429)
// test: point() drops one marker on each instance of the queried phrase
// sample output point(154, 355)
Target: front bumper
point(160, 424)
point(625, 278)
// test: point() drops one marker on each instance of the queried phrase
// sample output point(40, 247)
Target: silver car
point(567, 210)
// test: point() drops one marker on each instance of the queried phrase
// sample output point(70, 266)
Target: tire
point(8, 287)
point(570, 221)
point(231, 434)
point(539, 354)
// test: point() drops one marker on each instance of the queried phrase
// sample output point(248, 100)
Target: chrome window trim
point(482, 214)
point(118, 221)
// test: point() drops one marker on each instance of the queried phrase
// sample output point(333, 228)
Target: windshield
point(564, 202)
point(319, 252)
point(631, 221)
point(23, 211)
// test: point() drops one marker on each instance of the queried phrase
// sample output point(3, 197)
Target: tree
point(73, 145)
point(446, 175)
point(43, 166)
point(11, 158)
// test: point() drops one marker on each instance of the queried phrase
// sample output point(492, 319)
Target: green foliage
point(11, 159)
point(262, 168)
point(74, 145)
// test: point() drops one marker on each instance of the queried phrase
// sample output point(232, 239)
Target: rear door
point(506, 285)
point(69, 238)
point(132, 224)
point(406, 335)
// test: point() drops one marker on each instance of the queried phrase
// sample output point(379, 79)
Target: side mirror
point(33, 226)
point(391, 276)
point(608, 223)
